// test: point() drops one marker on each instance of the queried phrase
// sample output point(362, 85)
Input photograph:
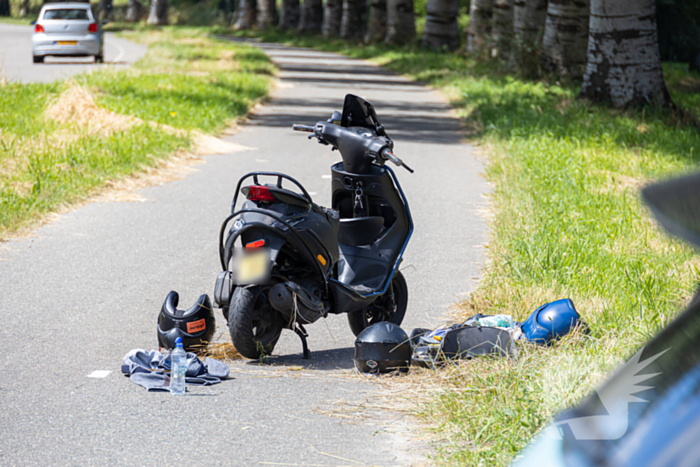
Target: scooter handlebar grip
point(387, 154)
point(306, 128)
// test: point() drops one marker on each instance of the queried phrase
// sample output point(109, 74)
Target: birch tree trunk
point(159, 13)
point(246, 15)
point(376, 24)
point(267, 13)
point(352, 24)
point(24, 8)
point(624, 63)
point(332, 15)
point(311, 16)
point(529, 17)
point(441, 28)
point(401, 22)
point(479, 31)
point(502, 29)
point(289, 14)
point(134, 11)
point(566, 37)
point(104, 10)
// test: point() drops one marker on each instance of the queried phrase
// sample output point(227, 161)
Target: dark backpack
point(462, 341)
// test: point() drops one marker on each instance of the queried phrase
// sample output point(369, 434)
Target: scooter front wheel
point(382, 309)
point(254, 325)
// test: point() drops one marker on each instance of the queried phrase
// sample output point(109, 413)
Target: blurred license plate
point(252, 267)
point(67, 43)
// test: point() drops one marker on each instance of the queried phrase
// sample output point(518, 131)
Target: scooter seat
point(359, 231)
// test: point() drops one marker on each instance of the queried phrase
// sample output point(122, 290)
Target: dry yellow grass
point(76, 105)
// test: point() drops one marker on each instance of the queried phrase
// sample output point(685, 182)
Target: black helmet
point(195, 326)
point(381, 348)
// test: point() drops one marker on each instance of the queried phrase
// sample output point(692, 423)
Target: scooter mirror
point(336, 118)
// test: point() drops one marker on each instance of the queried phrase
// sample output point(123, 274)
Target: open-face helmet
point(195, 326)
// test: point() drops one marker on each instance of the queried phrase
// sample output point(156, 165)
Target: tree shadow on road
point(332, 359)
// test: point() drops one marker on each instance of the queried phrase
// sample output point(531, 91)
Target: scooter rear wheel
point(381, 309)
point(254, 325)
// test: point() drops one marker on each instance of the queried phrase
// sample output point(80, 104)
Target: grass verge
point(567, 223)
point(61, 142)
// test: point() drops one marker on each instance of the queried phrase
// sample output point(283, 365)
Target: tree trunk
point(104, 10)
point(624, 63)
point(502, 29)
point(267, 13)
point(529, 17)
point(24, 8)
point(566, 37)
point(441, 28)
point(352, 23)
point(479, 32)
point(332, 14)
point(376, 25)
point(134, 11)
point(289, 14)
point(4, 7)
point(401, 22)
point(311, 16)
point(246, 15)
point(159, 13)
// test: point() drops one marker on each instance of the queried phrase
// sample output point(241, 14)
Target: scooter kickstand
point(301, 332)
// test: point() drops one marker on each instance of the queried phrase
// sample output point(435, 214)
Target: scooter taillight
point(260, 193)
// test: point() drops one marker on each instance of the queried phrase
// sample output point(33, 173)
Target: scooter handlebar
point(354, 146)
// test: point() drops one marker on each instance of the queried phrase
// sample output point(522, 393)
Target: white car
point(67, 30)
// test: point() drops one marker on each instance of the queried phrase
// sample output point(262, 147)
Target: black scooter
point(288, 262)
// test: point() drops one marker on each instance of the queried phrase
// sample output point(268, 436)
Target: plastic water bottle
point(178, 366)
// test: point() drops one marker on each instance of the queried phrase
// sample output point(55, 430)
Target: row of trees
point(158, 14)
point(391, 21)
point(611, 44)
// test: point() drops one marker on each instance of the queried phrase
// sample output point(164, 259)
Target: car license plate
point(66, 42)
point(252, 267)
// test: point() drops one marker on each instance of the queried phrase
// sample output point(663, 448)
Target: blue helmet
point(551, 321)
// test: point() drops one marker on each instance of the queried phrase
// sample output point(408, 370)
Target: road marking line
point(121, 52)
point(326, 176)
point(99, 374)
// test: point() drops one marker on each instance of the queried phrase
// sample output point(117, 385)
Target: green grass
point(18, 20)
point(567, 223)
point(186, 82)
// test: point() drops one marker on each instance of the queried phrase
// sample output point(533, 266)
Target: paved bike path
point(86, 289)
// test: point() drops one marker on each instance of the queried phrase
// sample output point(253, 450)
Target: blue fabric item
point(152, 370)
point(551, 321)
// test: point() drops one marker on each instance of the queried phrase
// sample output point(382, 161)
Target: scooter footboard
point(348, 300)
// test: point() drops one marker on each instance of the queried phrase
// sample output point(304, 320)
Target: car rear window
point(73, 13)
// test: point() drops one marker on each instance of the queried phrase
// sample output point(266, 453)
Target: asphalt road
point(16, 57)
point(84, 290)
